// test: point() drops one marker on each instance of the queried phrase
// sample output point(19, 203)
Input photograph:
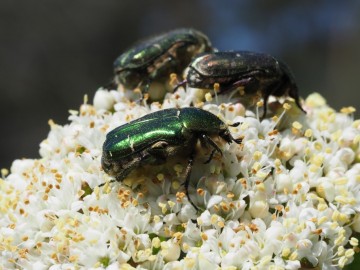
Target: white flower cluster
point(287, 197)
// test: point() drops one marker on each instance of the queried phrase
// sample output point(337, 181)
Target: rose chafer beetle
point(157, 136)
point(156, 58)
point(250, 70)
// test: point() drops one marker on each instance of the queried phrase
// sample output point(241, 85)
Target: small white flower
point(103, 99)
point(170, 250)
point(215, 199)
point(267, 203)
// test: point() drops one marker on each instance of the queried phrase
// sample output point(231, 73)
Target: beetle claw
point(238, 141)
point(111, 181)
point(235, 124)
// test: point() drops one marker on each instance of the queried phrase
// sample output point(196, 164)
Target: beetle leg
point(293, 93)
point(111, 181)
point(184, 82)
point(158, 152)
point(242, 82)
point(160, 145)
point(147, 84)
point(187, 179)
point(271, 89)
point(210, 157)
point(216, 148)
point(265, 98)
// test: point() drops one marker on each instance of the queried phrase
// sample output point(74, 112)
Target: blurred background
point(52, 53)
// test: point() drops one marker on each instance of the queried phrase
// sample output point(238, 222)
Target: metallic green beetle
point(154, 137)
point(250, 70)
point(156, 58)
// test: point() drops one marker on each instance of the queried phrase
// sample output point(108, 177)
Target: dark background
point(52, 52)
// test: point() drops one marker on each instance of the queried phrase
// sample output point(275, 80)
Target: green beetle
point(156, 58)
point(154, 137)
point(250, 70)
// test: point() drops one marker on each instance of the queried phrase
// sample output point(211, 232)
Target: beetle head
point(106, 164)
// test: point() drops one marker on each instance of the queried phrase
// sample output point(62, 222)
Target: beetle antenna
point(238, 140)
